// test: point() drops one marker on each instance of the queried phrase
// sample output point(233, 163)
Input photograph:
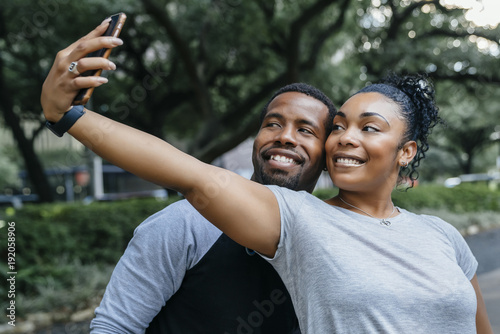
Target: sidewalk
point(490, 288)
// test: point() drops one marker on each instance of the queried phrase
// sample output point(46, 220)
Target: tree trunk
point(32, 163)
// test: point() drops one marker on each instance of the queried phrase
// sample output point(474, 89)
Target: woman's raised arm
point(246, 211)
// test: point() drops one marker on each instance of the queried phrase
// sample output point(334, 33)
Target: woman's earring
point(403, 164)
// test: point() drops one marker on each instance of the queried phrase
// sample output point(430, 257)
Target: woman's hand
point(61, 85)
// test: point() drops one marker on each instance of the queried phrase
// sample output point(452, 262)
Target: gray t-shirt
point(347, 273)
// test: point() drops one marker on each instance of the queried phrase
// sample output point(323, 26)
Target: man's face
point(289, 149)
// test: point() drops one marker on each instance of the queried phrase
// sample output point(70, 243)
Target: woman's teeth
point(348, 161)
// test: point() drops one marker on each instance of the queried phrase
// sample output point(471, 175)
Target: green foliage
point(467, 221)
point(50, 236)
point(326, 193)
point(198, 72)
point(83, 286)
point(464, 206)
point(8, 169)
point(463, 198)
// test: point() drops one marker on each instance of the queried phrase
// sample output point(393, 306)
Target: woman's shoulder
point(432, 221)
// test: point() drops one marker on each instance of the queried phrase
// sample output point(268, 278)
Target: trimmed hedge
point(50, 236)
point(463, 198)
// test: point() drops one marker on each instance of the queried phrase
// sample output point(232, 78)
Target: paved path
point(486, 248)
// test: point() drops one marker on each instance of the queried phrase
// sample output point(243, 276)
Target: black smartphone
point(114, 29)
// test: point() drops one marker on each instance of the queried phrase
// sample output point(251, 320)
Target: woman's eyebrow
point(365, 114)
point(369, 114)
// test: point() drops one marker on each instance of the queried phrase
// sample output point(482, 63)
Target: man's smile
point(283, 159)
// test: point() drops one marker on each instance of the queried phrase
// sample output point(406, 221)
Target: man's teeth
point(282, 159)
point(348, 161)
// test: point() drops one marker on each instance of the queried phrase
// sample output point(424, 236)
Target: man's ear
point(407, 153)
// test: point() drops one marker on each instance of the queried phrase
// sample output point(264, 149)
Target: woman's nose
point(349, 137)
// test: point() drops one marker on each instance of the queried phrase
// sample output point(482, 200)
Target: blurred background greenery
point(197, 73)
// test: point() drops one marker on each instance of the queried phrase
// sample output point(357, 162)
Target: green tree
point(470, 123)
point(418, 36)
point(30, 34)
point(201, 70)
point(197, 72)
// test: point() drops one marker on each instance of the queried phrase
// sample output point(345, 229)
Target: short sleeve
point(464, 256)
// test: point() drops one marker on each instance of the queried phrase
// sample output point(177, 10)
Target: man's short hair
point(309, 90)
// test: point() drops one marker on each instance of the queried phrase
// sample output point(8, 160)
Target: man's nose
point(287, 136)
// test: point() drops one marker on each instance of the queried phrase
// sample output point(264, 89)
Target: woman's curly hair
point(415, 95)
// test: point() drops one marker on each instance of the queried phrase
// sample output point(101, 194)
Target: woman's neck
point(374, 205)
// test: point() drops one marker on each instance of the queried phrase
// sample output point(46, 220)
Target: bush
point(461, 199)
point(465, 206)
point(51, 237)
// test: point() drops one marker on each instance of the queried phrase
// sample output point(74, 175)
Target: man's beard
point(280, 178)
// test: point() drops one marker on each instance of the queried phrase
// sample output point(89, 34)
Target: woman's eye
point(336, 127)
point(370, 129)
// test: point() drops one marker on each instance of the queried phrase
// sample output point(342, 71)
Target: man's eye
point(306, 131)
point(270, 125)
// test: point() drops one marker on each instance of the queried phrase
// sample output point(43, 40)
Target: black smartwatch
point(65, 123)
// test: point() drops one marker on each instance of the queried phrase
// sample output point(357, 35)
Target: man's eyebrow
point(365, 114)
point(300, 121)
point(274, 114)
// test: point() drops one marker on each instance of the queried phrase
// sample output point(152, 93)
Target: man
point(180, 274)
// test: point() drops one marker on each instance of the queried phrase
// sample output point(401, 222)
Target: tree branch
point(247, 126)
point(267, 8)
point(461, 77)
point(324, 35)
point(197, 84)
point(454, 34)
point(399, 18)
point(296, 28)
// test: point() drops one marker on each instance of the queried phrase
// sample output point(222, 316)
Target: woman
point(354, 263)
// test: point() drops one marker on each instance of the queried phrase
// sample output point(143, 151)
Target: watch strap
point(67, 121)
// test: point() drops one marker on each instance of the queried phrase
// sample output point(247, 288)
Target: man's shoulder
point(178, 217)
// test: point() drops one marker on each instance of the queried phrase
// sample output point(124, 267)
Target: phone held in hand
point(114, 29)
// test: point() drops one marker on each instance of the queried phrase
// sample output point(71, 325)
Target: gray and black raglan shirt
point(180, 274)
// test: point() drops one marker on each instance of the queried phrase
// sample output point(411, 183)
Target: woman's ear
point(407, 153)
